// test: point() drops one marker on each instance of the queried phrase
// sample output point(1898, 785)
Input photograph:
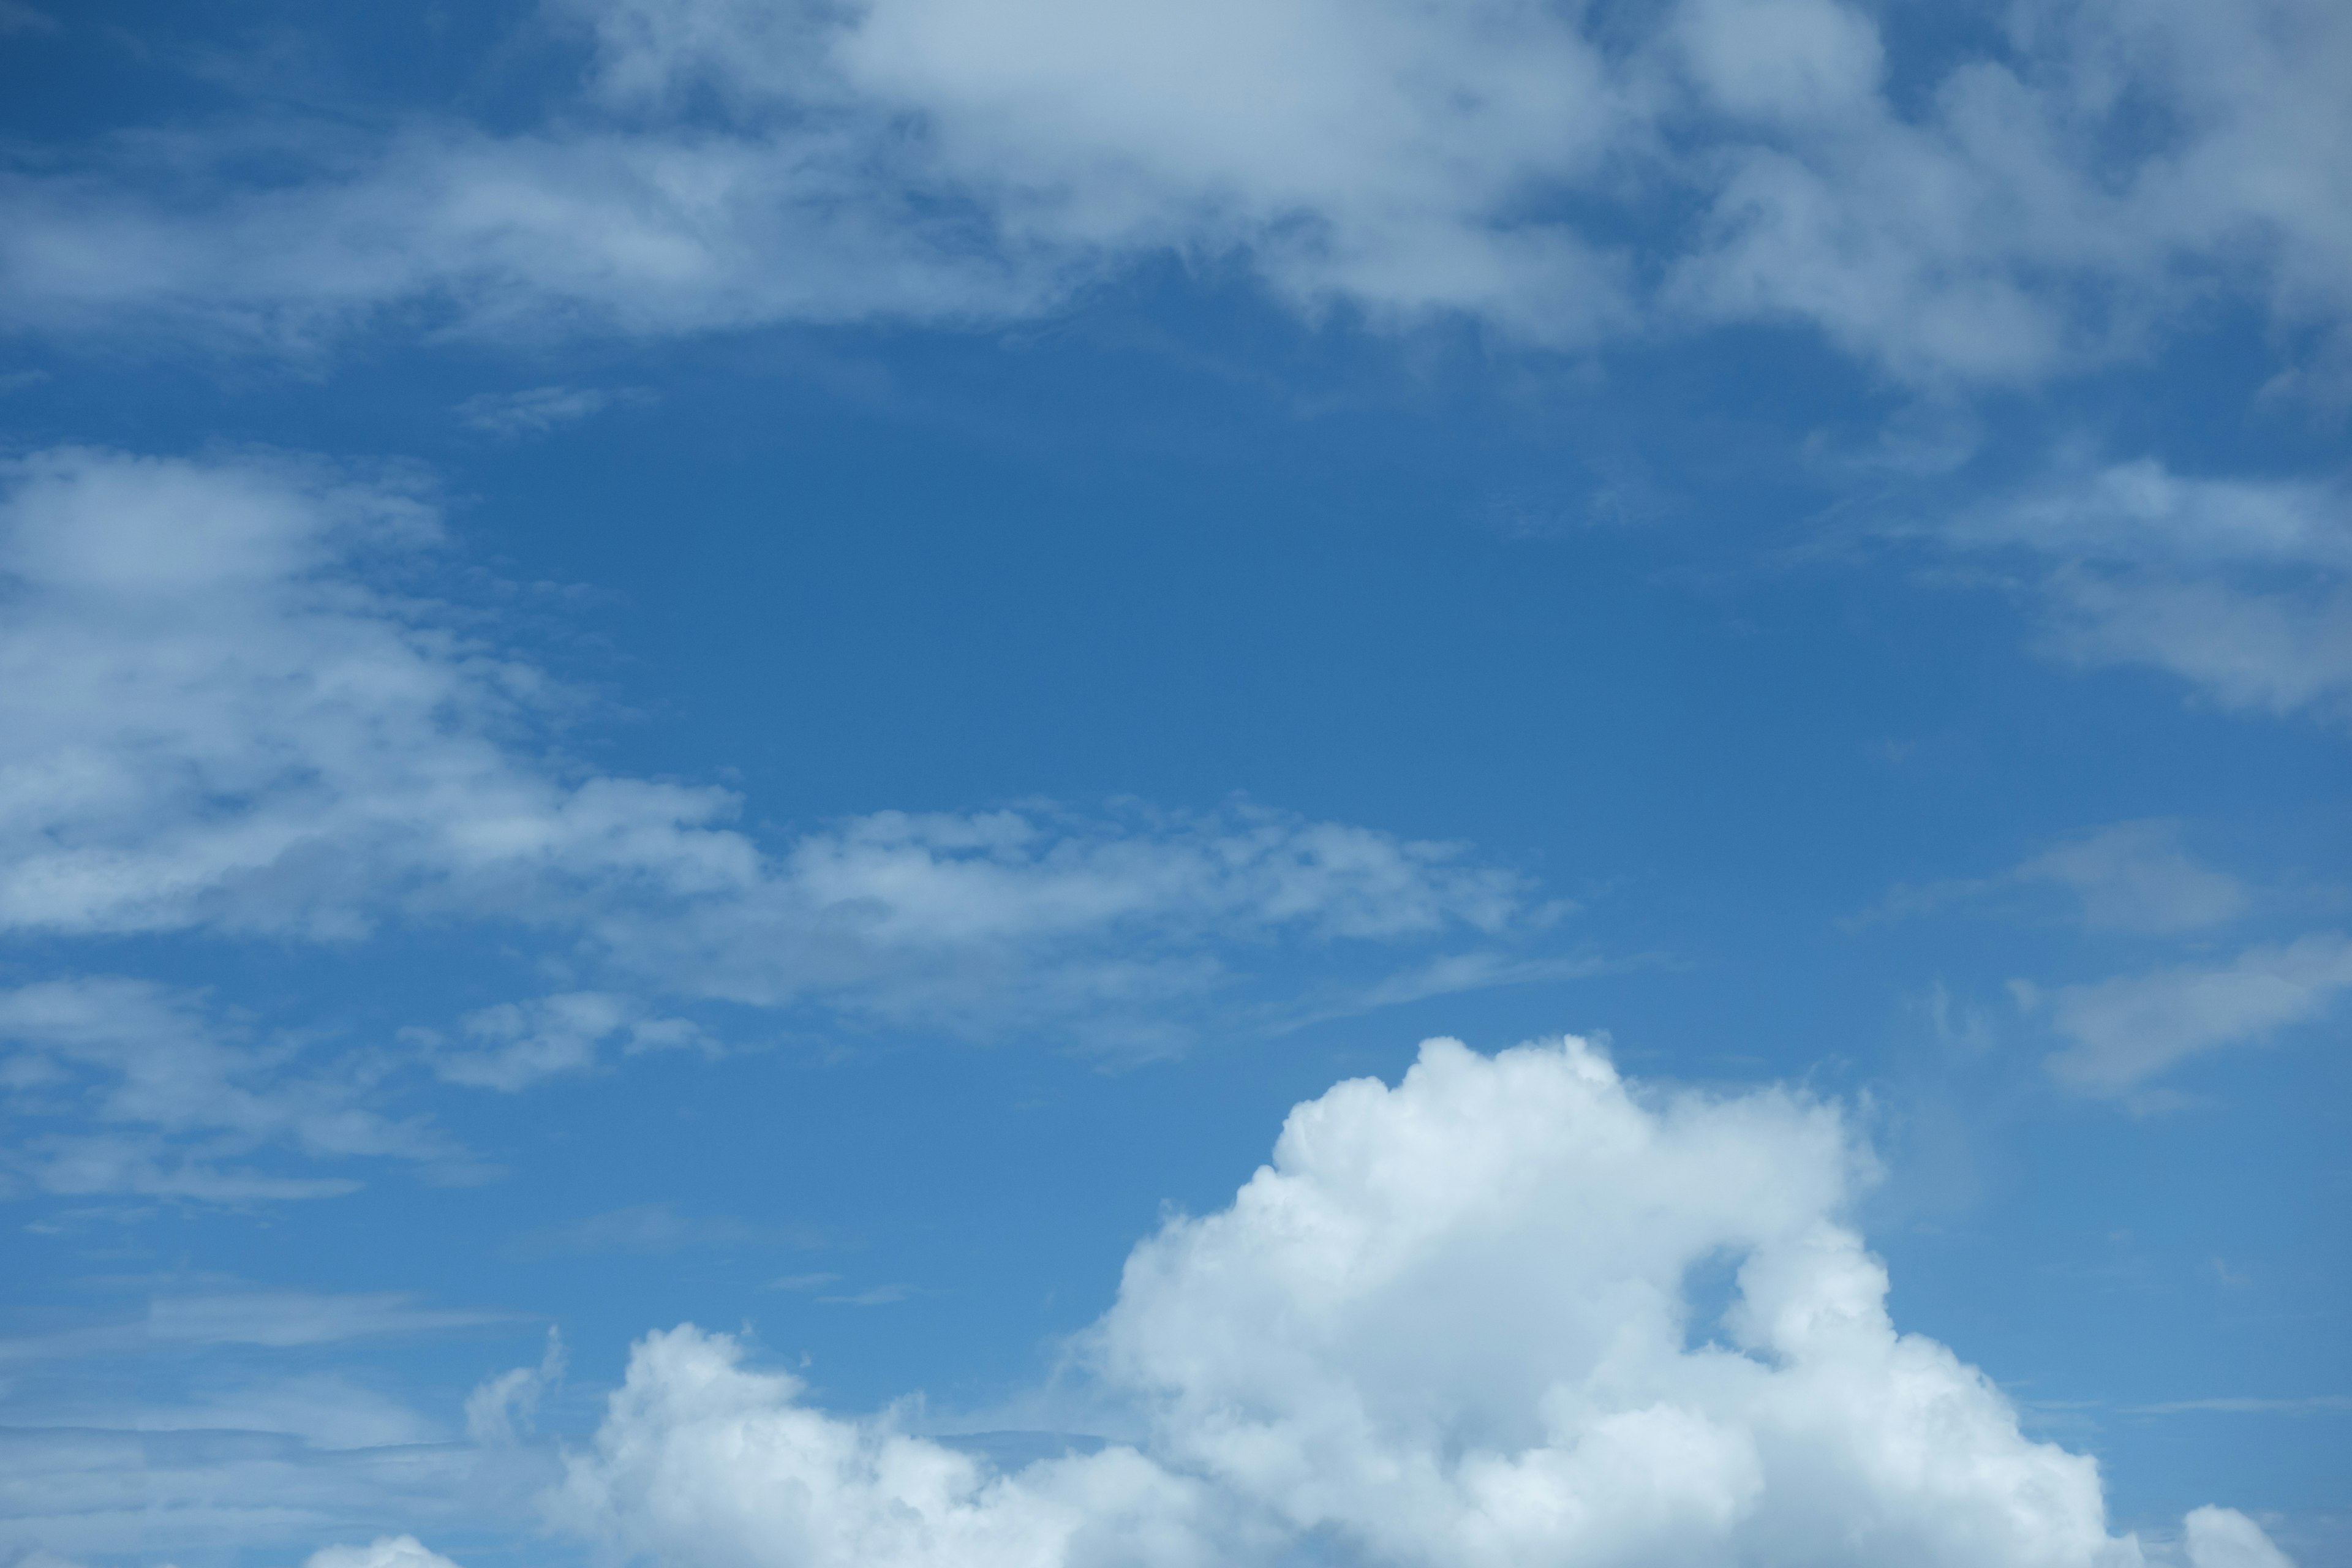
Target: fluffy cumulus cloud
point(1461, 1320)
point(216, 717)
point(1559, 174)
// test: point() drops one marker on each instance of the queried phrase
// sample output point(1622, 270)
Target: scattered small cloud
point(541, 409)
point(2130, 877)
point(2129, 1028)
point(2240, 587)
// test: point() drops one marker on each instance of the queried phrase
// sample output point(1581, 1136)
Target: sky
point(940, 784)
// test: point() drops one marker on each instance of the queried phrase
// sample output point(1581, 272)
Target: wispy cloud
point(276, 1319)
point(2306, 1405)
point(213, 721)
point(2131, 877)
point(540, 409)
point(118, 1086)
point(2240, 587)
point(2126, 1030)
point(723, 165)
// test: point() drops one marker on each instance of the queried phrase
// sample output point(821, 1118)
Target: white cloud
point(2224, 1538)
point(514, 1044)
point(271, 1320)
point(540, 409)
point(183, 1103)
point(180, 1433)
point(2134, 876)
point(2128, 877)
point(501, 1408)
point(727, 164)
point(211, 720)
point(2241, 587)
point(385, 1551)
point(1451, 1322)
point(2129, 1028)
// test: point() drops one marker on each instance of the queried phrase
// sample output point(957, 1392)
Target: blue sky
point(743, 748)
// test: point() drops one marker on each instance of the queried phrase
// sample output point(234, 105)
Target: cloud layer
point(215, 720)
point(1561, 176)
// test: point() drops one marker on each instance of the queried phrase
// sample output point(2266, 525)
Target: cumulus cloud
point(1563, 176)
point(2127, 1029)
point(2242, 588)
point(214, 717)
point(2224, 1538)
point(1451, 1321)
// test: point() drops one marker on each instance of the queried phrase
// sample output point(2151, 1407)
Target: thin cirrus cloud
point(654, 1227)
point(723, 163)
point(540, 409)
point(206, 1414)
point(2134, 878)
point(218, 718)
point(116, 1087)
point(2123, 1031)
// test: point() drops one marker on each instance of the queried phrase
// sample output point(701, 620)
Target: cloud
point(16, 17)
point(2126, 1030)
point(2224, 1538)
point(512, 1046)
point(1563, 178)
point(386, 1552)
point(2134, 877)
point(269, 1319)
point(326, 1411)
point(213, 718)
point(542, 408)
point(2241, 587)
point(504, 1407)
point(654, 1229)
point(1451, 1321)
point(2308, 1404)
point(181, 1431)
point(183, 1102)
point(2126, 876)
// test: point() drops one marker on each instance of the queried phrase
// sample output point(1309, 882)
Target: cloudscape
point(956, 783)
